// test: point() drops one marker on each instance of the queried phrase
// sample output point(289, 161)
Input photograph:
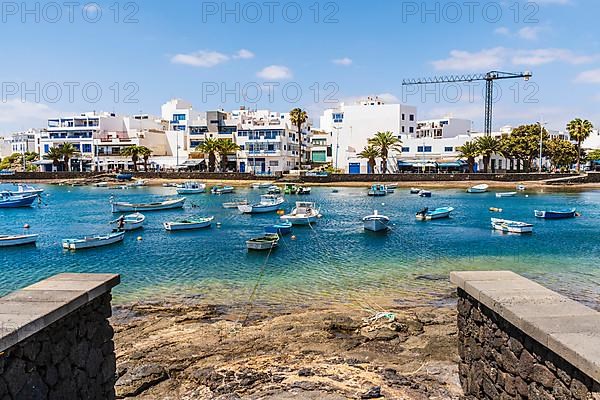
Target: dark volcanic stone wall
point(73, 358)
point(499, 361)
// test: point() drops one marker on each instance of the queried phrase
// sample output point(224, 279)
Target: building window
point(273, 163)
point(402, 129)
point(411, 117)
point(178, 117)
point(411, 129)
point(403, 117)
point(424, 149)
point(338, 117)
point(46, 148)
point(427, 149)
point(448, 149)
point(319, 156)
point(406, 149)
point(86, 148)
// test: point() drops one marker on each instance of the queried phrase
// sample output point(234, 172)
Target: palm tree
point(68, 151)
point(55, 155)
point(579, 130)
point(210, 147)
point(298, 117)
point(470, 151)
point(134, 152)
point(488, 146)
point(385, 142)
point(370, 153)
point(226, 147)
point(145, 153)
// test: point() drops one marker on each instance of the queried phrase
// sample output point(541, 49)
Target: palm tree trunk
point(579, 156)
point(300, 148)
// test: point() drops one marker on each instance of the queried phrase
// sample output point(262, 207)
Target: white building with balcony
point(352, 125)
point(18, 142)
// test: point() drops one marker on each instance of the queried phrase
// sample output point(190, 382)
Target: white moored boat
point(427, 215)
point(131, 222)
point(27, 190)
point(378, 190)
point(189, 224)
point(268, 203)
point(93, 241)
point(305, 213)
point(220, 189)
point(267, 242)
point(261, 185)
point(17, 240)
point(511, 226)
point(478, 189)
point(506, 194)
point(376, 222)
point(192, 188)
point(164, 205)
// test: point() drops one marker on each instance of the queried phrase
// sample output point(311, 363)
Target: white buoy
point(293, 237)
point(26, 226)
point(139, 238)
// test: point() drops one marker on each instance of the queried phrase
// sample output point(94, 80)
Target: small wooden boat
point(556, 214)
point(124, 176)
point(378, 190)
point(192, 188)
point(506, 194)
point(376, 222)
point(188, 224)
point(290, 188)
point(17, 240)
point(10, 200)
point(274, 190)
point(304, 190)
point(504, 225)
point(164, 205)
point(415, 190)
point(261, 185)
point(478, 189)
point(281, 228)
point(424, 193)
point(266, 242)
point(305, 213)
point(222, 189)
point(93, 241)
point(268, 203)
point(426, 214)
point(235, 204)
point(131, 222)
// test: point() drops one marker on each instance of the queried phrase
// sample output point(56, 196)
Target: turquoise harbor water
point(333, 261)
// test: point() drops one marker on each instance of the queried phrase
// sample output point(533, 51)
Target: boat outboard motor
point(423, 211)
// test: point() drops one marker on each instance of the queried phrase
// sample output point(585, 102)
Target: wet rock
point(139, 379)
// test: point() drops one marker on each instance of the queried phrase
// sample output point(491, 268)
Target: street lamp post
point(337, 144)
point(541, 145)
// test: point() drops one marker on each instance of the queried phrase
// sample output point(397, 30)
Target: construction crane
point(489, 79)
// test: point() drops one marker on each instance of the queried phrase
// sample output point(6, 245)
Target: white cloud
point(591, 76)
point(209, 59)
point(275, 72)
point(204, 59)
point(343, 61)
point(244, 54)
point(502, 31)
point(14, 112)
point(529, 32)
point(461, 60)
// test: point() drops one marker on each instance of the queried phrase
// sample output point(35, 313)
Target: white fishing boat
point(222, 189)
point(478, 189)
point(159, 206)
point(506, 194)
point(267, 242)
point(93, 241)
point(189, 224)
point(101, 184)
point(268, 203)
point(137, 183)
point(392, 186)
point(274, 190)
point(130, 222)
point(378, 190)
point(511, 226)
point(305, 213)
point(427, 215)
point(27, 190)
point(235, 204)
point(415, 190)
point(17, 240)
point(192, 188)
point(261, 185)
point(376, 222)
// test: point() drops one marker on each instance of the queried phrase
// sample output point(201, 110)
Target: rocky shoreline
point(191, 350)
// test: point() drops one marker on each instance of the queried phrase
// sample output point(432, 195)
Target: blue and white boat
point(507, 226)
point(478, 188)
point(11, 200)
point(424, 193)
point(378, 190)
point(221, 189)
point(192, 188)
point(26, 190)
point(282, 228)
point(556, 214)
point(426, 214)
point(268, 203)
point(376, 222)
point(93, 241)
point(17, 240)
point(506, 194)
point(305, 213)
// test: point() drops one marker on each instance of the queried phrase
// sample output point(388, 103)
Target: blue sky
point(154, 51)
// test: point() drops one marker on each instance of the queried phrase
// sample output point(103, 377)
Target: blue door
point(242, 166)
point(354, 168)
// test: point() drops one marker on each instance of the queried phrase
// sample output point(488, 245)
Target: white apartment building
point(321, 151)
point(351, 126)
point(18, 142)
